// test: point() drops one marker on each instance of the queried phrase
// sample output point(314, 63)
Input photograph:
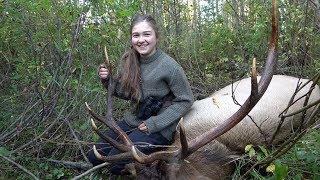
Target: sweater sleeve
point(180, 87)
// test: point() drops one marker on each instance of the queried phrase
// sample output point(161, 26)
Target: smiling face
point(144, 39)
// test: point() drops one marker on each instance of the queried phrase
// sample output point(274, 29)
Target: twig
point(235, 101)
point(70, 164)
point(77, 140)
point(302, 109)
point(19, 166)
point(90, 170)
point(21, 119)
point(286, 110)
point(30, 142)
point(68, 142)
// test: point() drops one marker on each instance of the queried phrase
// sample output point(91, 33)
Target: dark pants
point(139, 138)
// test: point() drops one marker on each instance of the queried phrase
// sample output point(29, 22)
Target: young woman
point(151, 79)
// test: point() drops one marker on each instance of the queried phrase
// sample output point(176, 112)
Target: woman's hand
point(143, 127)
point(103, 72)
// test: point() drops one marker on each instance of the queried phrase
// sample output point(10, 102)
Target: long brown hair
point(130, 71)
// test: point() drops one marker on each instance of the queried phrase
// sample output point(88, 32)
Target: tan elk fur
point(213, 160)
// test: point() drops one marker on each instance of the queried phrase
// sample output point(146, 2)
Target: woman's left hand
point(143, 127)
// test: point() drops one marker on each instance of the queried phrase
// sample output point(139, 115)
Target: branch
point(19, 166)
point(30, 142)
point(70, 164)
point(90, 170)
point(302, 109)
point(77, 140)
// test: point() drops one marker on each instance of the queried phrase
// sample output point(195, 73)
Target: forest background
point(50, 51)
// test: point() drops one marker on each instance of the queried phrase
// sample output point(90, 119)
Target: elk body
point(213, 160)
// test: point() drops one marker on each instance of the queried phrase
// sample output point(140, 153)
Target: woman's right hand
point(103, 72)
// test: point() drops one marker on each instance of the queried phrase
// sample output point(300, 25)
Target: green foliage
point(301, 162)
point(4, 151)
point(304, 159)
point(281, 171)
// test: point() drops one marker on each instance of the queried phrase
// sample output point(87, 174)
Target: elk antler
point(127, 147)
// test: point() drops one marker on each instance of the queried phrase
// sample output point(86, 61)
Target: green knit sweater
point(160, 75)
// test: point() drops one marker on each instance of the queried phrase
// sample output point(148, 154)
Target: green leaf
point(58, 173)
point(248, 147)
point(264, 150)
point(252, 152)
point(297, 177)
point(281, 171)
point(84, 126)
point(271, 168)
point(4, 151)
point(259, 156)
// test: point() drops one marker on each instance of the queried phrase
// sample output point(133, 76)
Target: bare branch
point(70, 164)
point(36, 138)
point(19, 166)
point(90, 170)
point(302, 109)
point(77, 140)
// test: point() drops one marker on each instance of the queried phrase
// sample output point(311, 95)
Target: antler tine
point(159, 155)
point(254, 83)
point(137, 155)
point(96, 116)
point(271, 62)
point(111, 124)
point(113, 158)
point(111, 141)
point(107, 61)
point(163, 155)
point(207, 137)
